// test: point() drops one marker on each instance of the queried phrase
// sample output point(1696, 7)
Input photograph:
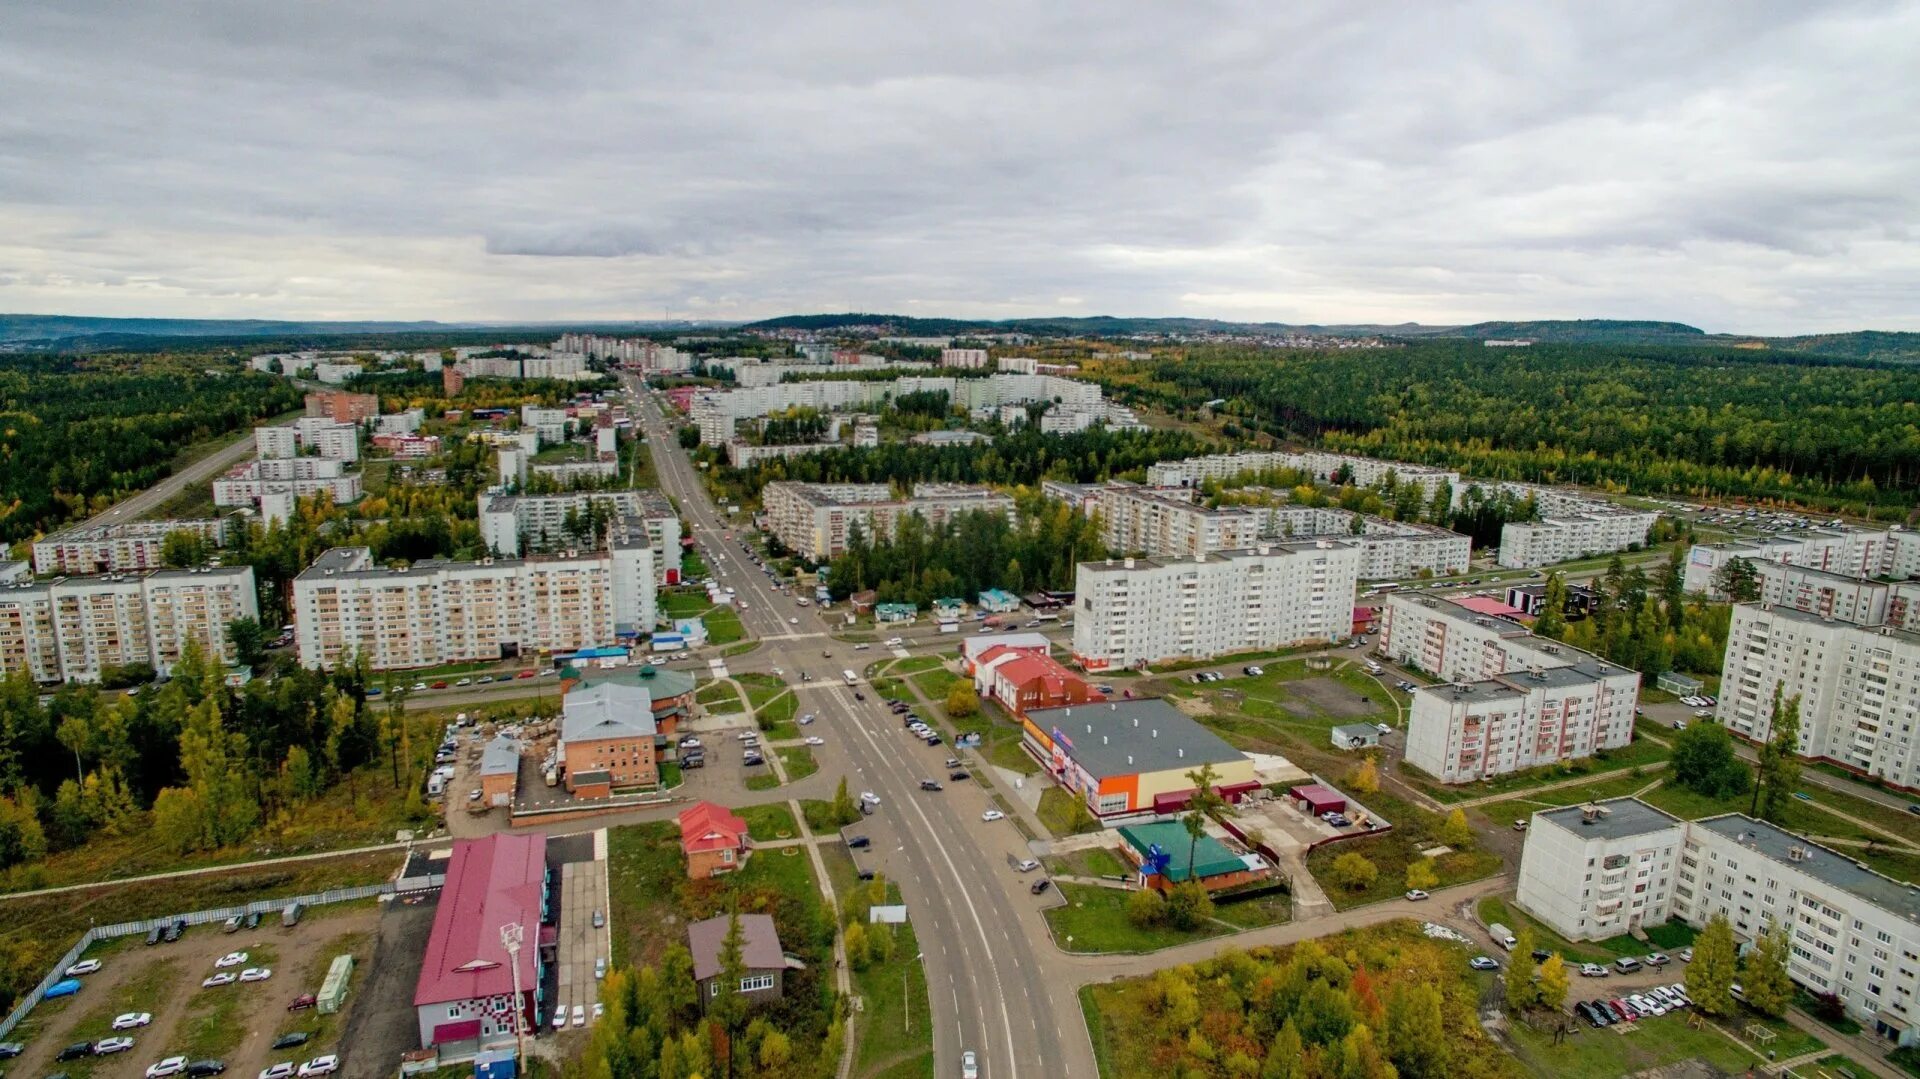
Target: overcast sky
point(1745, 167)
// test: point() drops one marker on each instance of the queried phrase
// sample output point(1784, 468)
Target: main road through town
point(983, 940)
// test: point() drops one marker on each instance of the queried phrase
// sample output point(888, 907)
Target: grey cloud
point(1751, 168)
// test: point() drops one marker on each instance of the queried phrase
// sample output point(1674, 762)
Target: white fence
point(198, 917)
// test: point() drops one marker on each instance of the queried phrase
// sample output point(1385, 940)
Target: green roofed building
point(1212, 864)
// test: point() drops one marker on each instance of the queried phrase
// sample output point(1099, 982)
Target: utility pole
point(511, 935)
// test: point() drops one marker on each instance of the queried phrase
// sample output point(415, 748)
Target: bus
point(850, 677)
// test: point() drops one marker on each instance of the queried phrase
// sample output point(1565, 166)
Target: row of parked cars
point(1658, 1000)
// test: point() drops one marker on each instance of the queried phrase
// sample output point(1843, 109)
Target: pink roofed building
point(465, 994)
point(1490, 607)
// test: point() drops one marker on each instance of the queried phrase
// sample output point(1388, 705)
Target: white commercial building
point(515, 524)
point(1859, 687)
point(449, 612)
point(1597, 871)
point(815, 520)
point(244, 484)
point(110, 548)
point(1848, 552)
point(74, 628)
point(1593, 872)
point(1135, 611)
point(1601, 528)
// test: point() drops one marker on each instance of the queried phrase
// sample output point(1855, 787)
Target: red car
point(524, 674)
point(438, 685)
point(302, 1002)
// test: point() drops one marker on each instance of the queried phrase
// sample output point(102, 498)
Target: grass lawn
point(719, 698)
point(740, 649)
point(776, 719)
point(1493, 910)
point(760, 686)
point(640, 858)
point(143, 991)
point(212, 1025)
point(1094, 862)
point(1907, 1060)
point(723, 626)
point(1505, 812)
point(915, 664)
point(1002, 749)
point(934, 684)
point(692, 565)
point(894, 1035)
point(765, 781)
point(1833, 1067)
point(686, 604)
point(799, 763)
point(1094, 919)
point(890, 688)
point(1610, 1053)
point(819, 815)
point(1414, 830)
point(1064, 814)
point(1637, 753)
point(1789, 1041)
point(769, 822)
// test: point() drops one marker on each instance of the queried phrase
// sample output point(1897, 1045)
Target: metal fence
point(198, 917)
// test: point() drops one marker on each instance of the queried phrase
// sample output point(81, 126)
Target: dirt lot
point(1328, 698)
point(233, 1023)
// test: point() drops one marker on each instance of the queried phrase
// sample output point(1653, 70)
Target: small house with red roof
point(465, 997)
point(713, 839)
point(1365, 620)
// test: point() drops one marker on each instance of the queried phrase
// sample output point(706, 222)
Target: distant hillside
point(56, 327)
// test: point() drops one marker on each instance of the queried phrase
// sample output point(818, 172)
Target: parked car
point(231, 959)
point(1039, 886)
point(233, 924)
point(1481, 962)
point(1593, 970)
point(155, 935)
point(253, 920)
point(290, 1040)
point(1658, 959)
point(109, 1046)
point(599, 920)
point(579, 1015)
point(320, 1065)
point(959, 775)
point(302, 1002)
point(930, 785)
point(84, 966)
point(222, 978)
point(256, 974)
point(206, 1067)
point(993, 815)
point(177, 930)
point(282, 1070)
point(9, 1050)
point(75, 1051)
point(1026, 865)
point(132, 1020)
point(599, 967)
point(169, 1066)
point(858, 842)
point(869, 798)
point(1415, 895)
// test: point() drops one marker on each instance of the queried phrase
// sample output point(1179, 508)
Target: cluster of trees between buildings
point(1649, 623)
point(969, 553)
point(1692, 421)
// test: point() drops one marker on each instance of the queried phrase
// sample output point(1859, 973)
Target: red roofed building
point(1487, 605)
point(465, 995)
point(714, 840)
point(1022, 680)
point(1365, 620)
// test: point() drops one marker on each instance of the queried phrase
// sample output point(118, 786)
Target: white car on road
point(992, 815)
point(815, 740)
point(869, 798)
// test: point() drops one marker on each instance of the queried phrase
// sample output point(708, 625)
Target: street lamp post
point(511, 935)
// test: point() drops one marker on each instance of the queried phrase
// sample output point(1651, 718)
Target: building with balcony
point(1140, 611)
point(72, 629)
point(1842, 550)
point(118, 548)
point(1591, 872)
point(816, 520)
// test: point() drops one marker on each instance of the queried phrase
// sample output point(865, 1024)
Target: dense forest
point(77, 434)
point(1024, 456)
point(969, 553)
point(1687, 421)
point(1648, 623)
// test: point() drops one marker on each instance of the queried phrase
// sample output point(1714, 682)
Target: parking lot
point(235, 1023)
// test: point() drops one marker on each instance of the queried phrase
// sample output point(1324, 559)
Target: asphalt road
point(983, 939)
point(201, 471)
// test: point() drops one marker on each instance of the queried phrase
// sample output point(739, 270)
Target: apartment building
point(815, 520)
point(1136, 611)
point(111, 548)
point(1322, 466)
point(1861, 601)
point(549, 423)
point(1598, 529)
point(1511, 700)
point(1591, 872)
point(243, 484)
point(1841, 550)
point(1859, 687)
point(717, 411)
point(569, 473)
point(400, 423)
point(342, 407)
point(972, 359)
point(1466, 731)
point(72, 628)
point(444, 612)
point(515, 524)
point(1167, 523)
point(319, 435)
point(1389, 549)
point(633, 352)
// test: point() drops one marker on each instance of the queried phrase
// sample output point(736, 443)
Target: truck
point(1501, 935)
